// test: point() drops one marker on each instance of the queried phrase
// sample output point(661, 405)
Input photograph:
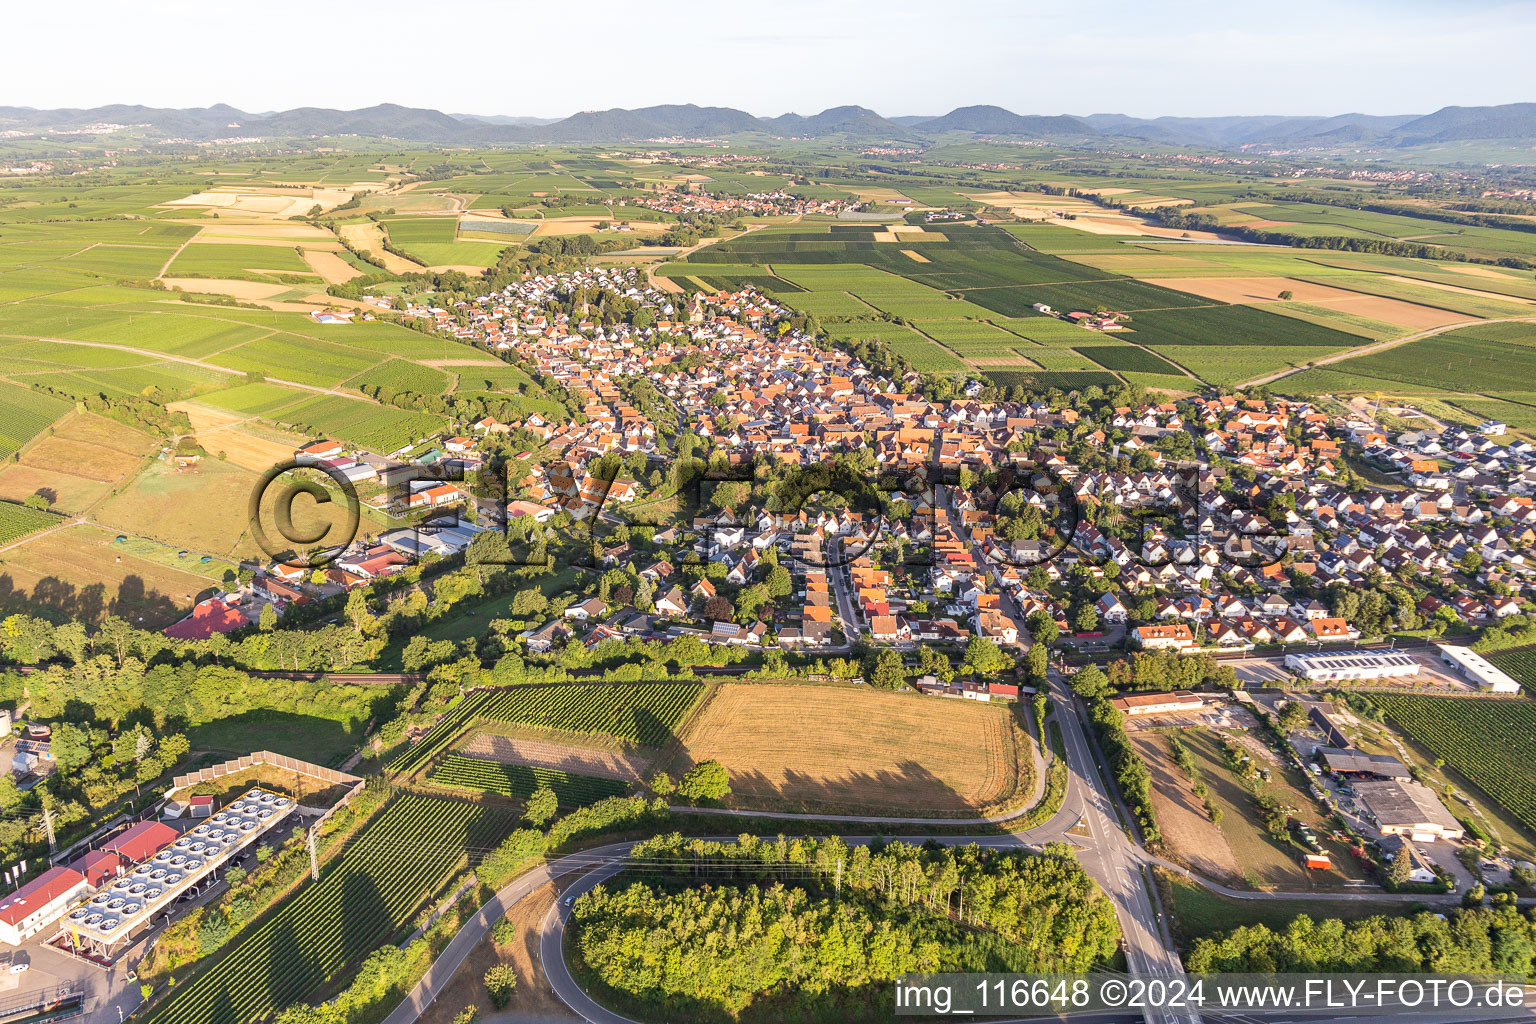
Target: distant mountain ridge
point(1511, 121)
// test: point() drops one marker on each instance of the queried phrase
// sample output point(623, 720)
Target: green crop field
point(1488, 358)
point(1491, 742)
point(237, 261)
point(517, 780)
point(293, 357)
point(644, 713)
point(362, 901)
point(433, 242)
point(1520, 663)
point(377, 428)
point(24, 414)
point(16, 521)
point(1127, 357)
point(1234, 364)
point(259, 399)
point(403, 375)
point(1045, 379)
point(1232, 325)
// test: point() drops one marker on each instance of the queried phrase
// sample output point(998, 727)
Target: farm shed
point(1470, 665)
point(1408, 809)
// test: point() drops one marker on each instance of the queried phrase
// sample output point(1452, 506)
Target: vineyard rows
point(1519, 663)
point(519, 780)
point(1492, 743)
point(646, 714)
point(360, 903)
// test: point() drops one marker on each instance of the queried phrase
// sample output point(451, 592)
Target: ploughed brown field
point(807, 747)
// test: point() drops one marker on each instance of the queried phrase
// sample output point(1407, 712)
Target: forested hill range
point(1513, 122)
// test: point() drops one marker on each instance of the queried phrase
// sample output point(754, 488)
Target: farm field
point(83, 457)
point(816, 748)
point(81, 572)
point(456, 771)
point(241, 260)
point(981, 278)
point(1486, 359)
point(433, 242)
point(1490, 742)
point(364, 897)
point(377, 428)
point(1520, 663)
point(24, 414)
point(18, 521)
point(206, 509)
point(539, 753)
point(631, 715)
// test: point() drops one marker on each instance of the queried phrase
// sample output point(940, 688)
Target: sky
point(1177, 57)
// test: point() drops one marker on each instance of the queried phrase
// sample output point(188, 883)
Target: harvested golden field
point(78, 463)
point(588, 225)
point(81, 572)
point(331, 267)
point(1254, 290)
point(366, 236)
point(1192, 839)
point(823, 748)
point(205, 508)
point(218, 430)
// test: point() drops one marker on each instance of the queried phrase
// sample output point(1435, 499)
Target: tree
point(1037, 659)
point(884, 670)
point(1043, 628)
point(707, 780)
point(500, 983)
point(1285, 296)
point(719, 609)
point(983, 656)
point(469, 1015)
point(1400, 867)
point(1470, 562)
point(662, 784)
point(1090, 682)
point(41, 502)
point(1293, 716)
point(1086, 619)
point(541, 806)
point(268, 618)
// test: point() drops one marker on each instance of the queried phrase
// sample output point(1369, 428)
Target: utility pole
point(314, 859)
point(48, 824)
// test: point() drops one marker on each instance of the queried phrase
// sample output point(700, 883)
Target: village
point(1214, 523)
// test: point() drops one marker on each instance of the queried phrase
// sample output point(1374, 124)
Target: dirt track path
point(1382, 346)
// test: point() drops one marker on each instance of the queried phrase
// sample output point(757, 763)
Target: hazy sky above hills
point(1182, 57)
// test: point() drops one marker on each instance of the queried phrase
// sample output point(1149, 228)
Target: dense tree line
point(1131, 772)
point(852, 919)
point(1498, 939)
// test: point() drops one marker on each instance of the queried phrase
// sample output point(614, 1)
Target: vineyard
point(1492, 743)
point(16, 521)
point(644, 714)
point(519, 780)
point(1520, 663)
point(25, 414)
point(361, 902)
